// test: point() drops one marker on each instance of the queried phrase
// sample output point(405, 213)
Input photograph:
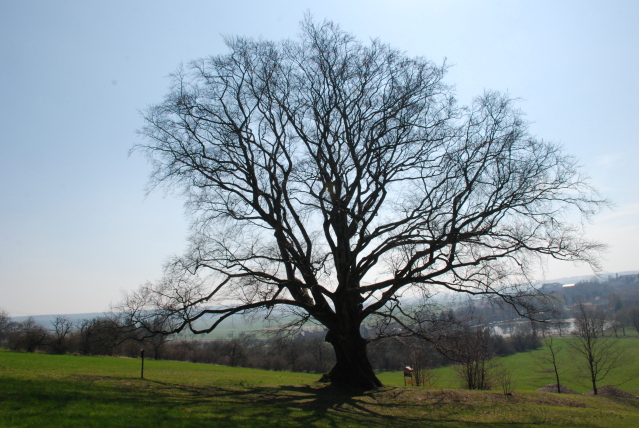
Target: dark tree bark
point(331, 177)
point(352, 368)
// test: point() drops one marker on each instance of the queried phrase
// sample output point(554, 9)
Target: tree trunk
point(593, 372)
point(352, 369)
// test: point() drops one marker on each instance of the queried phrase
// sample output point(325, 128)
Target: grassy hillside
point(49, 390)
point(527, 375)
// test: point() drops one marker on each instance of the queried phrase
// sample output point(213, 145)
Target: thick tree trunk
point(352, 369)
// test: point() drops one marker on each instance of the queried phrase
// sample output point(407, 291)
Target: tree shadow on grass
point(114, 401)
point(303, 405)
point(297, 405)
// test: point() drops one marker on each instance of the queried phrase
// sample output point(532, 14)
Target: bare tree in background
point(471, 349)
point(61, 328)
point(4, 323)
point(154, 337)
point(549, 360)
point(561, 326)
point(597, 352)
point(235, 350)
point(28, 335)
point(100, 335)
point(332, 177)
point(504, 377)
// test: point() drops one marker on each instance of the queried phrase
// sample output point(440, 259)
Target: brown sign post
point(408, 373)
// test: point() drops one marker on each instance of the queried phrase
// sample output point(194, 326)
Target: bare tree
point(87, 329)
point(61, 328)
point(153, 336)
point(333, 177)
point(561, 326)
point(235, 350)
point(619, 320)
point(504, 377)
point(598, 353)
point(100, 335)
point(4, 323)
point(549, 360)
point(27, 335)
point(471, 349)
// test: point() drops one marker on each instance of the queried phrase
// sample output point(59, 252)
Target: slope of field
point(527, 373)
point(49, 390)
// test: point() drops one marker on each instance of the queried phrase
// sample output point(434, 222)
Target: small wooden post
point(142, 372)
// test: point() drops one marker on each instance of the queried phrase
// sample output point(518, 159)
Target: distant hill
point(576, 279)
point(228, 328)
point(45, 320)
point(238, 324)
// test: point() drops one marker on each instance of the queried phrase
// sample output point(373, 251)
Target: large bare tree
point(333, 176)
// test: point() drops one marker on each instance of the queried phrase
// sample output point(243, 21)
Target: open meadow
point(527, 372)
point(67, 390)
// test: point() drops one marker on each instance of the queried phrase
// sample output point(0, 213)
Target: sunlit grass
point(528, 375)
point(49, 390)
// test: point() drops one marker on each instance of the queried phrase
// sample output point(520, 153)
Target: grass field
point(527, 376)
point(51, 390)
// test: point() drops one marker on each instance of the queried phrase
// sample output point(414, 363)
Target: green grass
point(49, 390)
point(527, 376)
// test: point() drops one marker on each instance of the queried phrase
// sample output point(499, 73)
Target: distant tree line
point(303, 351)
point(95, 336)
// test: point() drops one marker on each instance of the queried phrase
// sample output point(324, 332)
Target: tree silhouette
point(332, 177)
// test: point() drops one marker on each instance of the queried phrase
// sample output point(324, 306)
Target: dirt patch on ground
point(611, 391)
point(553, 388)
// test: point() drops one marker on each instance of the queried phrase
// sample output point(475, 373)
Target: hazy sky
point(75, 225)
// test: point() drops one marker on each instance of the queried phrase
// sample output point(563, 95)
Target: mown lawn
point(50, 390)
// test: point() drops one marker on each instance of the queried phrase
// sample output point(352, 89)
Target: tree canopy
point(333, 176)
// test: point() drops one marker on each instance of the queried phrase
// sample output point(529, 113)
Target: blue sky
point(76, 227)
